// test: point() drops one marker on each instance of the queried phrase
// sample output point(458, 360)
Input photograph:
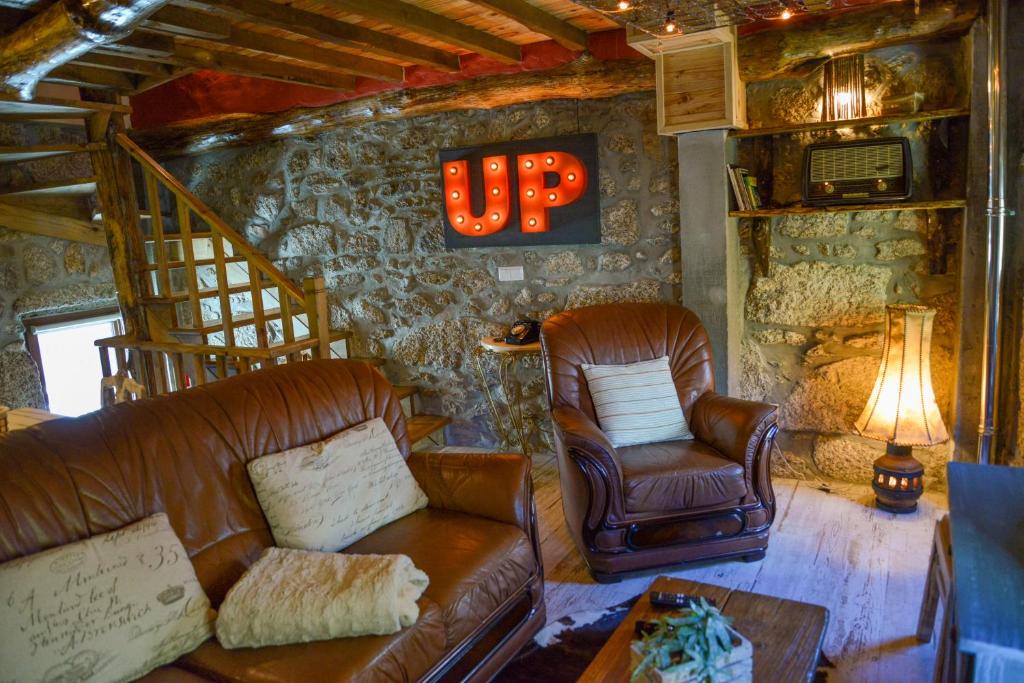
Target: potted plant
point(693, 645)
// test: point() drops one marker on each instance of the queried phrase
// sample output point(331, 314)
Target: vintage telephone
point(525, 331)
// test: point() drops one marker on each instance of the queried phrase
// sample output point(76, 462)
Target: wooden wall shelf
point(849, 208)
point(853, 123)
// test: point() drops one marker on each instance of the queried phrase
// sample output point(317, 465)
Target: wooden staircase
point(199, 302)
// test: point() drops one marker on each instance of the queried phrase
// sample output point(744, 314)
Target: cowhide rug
point(562, 650)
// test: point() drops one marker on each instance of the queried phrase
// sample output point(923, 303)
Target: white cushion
point(330, 494)
point(637, 402)
point(296, 596)
point(110, 608)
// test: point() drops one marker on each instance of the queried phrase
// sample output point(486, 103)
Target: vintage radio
point(857, 172)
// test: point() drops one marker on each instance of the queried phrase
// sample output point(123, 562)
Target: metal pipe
point(996, 213)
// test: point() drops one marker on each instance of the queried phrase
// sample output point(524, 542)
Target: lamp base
point(898, 480)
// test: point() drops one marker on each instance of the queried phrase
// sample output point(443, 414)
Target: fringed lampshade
point(902, 410)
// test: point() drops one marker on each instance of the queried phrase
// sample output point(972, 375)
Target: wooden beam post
point(317, 317)
point(116, 190)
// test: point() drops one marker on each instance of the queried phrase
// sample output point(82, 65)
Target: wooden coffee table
point(786, 634)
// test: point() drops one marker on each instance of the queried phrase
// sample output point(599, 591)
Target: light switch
point(510, 273)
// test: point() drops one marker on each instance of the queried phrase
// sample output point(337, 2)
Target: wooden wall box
point(698, 81)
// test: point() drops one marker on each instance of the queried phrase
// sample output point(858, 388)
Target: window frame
point(31, 322)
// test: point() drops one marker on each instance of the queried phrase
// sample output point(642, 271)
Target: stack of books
point(744, 189)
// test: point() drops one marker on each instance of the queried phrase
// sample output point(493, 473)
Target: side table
point(514, 425)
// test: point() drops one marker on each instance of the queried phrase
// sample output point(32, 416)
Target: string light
point(786, 14)
point(623, 5)
point(670, 21)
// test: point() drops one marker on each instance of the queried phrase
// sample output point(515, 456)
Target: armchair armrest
point(732, 426)
point(492, 485)
point(581, 433)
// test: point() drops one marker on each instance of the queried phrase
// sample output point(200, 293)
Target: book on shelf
point(744, 189)
point(738, 192)
point(753, 195)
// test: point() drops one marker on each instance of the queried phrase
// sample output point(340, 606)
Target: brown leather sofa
point(644, 506)
point(185, 455)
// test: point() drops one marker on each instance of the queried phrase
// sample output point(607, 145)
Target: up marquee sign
point(526, 192)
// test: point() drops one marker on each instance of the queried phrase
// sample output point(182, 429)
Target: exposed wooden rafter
point(230, 62)
point(585, 78)
point(319, 27)
point(766, 55)
point(184, 22)
point(59, 34)
point(418, 20)
point(48, 224)
point(294, 49)
point(536, 19)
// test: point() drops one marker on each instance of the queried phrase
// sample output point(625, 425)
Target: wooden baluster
point(198, 370)
point(178, 362)
point(189, 256)
point(244, 365)
point(258, 316)
point(222, 367)
point(121, 357)
point(105, 367)
point(287, 324)
point(226, 318)
point(159, 240)
point(160, 385)
point(317, 316)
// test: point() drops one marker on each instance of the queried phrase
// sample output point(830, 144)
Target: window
point(69, 362)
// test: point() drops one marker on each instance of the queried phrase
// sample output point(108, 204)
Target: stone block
point(633, 292)
point(850, 458)
point(892, 250)
point(813, 226)
point(819, 295)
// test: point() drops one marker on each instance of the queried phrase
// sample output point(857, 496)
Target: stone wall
point(813, 323)
point(814, 328)
point(39, 274)
point(362, 206)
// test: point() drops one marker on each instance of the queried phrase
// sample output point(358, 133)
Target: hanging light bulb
point(786, 14)
point(623, 5)
point(670, 21)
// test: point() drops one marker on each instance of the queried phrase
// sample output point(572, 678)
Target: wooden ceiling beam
point(230, 62)
point(142, 46)
point(87, 76)
point(153, 81)
point(183, 22)
point(403, 15)
point(342, 61)
point(46, 223)
point(319, 27)
point(123, 63)
point(538, 21)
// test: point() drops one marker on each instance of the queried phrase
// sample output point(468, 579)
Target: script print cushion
point(637, 403)
point(110, 608)
point(328, 495)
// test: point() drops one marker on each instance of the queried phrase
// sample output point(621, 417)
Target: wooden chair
point(939, 588)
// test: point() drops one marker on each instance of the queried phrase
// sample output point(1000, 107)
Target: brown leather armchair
point(644, 506)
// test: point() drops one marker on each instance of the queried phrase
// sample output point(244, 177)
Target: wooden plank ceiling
point(323, 43)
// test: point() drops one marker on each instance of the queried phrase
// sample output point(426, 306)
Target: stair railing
point(180, 363)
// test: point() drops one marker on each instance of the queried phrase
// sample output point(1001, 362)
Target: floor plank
point(833, 549)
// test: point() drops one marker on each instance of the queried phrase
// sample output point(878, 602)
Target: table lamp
point(902, 410)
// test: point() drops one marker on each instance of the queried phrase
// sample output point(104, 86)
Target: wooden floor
point(866, 566)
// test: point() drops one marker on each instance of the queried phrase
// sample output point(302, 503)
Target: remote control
point(677, 600)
